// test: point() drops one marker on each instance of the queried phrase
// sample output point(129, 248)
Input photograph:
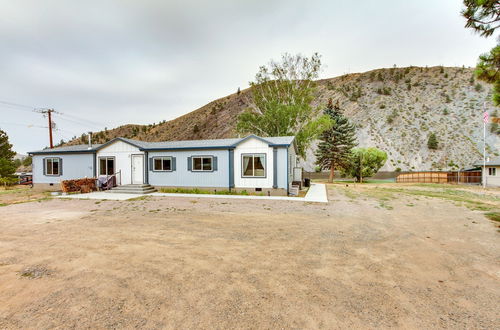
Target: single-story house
point(252, 163)
point(491, 176)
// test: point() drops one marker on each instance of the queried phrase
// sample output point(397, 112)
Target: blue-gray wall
point(74, 166)
point(181, 177)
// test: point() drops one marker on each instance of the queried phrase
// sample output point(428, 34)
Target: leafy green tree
point(488, 69)
point(365, 162)
point(282, 95)
point(483, 16)
point(17, 162)
point(27, 161)
point(336, 143)
point(432, 142)
point(7, 165)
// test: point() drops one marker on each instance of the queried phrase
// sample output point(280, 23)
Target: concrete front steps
point(133, 189)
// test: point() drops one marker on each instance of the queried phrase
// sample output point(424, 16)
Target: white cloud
point(118, 62)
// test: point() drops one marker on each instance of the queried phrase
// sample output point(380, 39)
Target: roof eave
point(117, 139)
point(285, 145)
point(52, 152)
point(188, 148)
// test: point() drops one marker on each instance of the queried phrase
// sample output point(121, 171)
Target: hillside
point(394, 109)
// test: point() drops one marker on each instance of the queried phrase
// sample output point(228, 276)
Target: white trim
point(45, 166)
point(161, 158)
point(202, 170)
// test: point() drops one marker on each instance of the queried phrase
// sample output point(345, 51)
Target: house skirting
point(253, 191)
point(47, 186)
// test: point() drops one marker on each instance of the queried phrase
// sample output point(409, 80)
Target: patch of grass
point(364, 181)
point(203, 192)
point(495, 216)
point(469, 199)
point(386, 206)
point(349, 193)
point(140, 198)
point(39, 200)
point(14, 190)
point(35, 272)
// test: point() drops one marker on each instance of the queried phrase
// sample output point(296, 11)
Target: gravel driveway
point(356, 262)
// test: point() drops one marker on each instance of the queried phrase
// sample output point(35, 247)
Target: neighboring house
point(251, 163)
point(492, 174)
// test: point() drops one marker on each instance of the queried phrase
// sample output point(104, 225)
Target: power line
point(26, 125)
point(81, 119)
point(34, 109)
point(11, 107)
point(79, 123)
point(16, 104)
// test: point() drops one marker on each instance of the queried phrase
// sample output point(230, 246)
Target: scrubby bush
point(432, 142)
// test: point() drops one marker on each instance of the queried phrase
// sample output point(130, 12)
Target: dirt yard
point(373, 257)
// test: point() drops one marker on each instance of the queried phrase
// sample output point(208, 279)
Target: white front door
point(137, 169)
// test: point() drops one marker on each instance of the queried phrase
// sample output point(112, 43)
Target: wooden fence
point(470, 177)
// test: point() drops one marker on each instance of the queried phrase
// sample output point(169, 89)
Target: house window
point(253, 166)
point(202, 163)
point(492, 171)
point(162, 164)
point(106, 165)
point(52, 166)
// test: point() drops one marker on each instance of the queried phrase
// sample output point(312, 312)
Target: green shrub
point(432, 142)
point(202, 192)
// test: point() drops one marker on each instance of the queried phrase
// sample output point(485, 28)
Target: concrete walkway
point(316, 193)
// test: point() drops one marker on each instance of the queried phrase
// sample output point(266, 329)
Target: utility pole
point(485, 120)
point(48, 112)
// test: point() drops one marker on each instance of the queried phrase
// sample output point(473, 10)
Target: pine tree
point(336, 143)
point(432, 143)
point(7, 166)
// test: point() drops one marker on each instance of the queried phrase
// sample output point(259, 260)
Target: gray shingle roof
point(189, 144)
point(494, 161)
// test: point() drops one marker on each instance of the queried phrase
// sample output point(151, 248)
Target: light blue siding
point(181, 177)
point(74, 166)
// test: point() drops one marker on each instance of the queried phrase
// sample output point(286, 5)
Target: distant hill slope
point(393, 109)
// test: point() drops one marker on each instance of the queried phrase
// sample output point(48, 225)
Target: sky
point(109, 63)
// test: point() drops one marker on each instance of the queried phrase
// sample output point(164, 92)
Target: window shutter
point(189, 163)
point(214, 165)
point(174, 166)
point(44, 161)
point(60, 167)
point(151, 164)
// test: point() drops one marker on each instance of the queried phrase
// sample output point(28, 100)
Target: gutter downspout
point(287, 172)
point(231, 168)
